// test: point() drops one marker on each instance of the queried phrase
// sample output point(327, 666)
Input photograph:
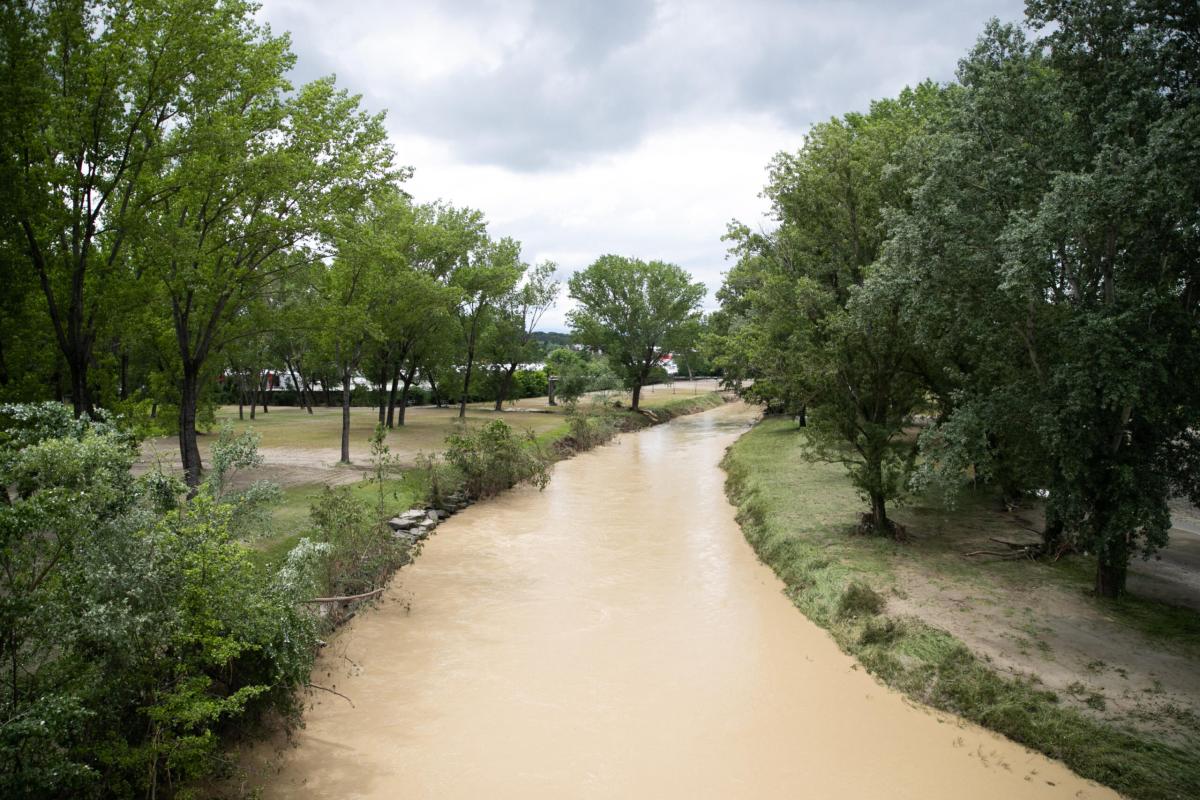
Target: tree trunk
point(391, 403)
point(382, 392)
point(189, 448)
point(504, 387)
point(306, 388)
point(346, 416)
point(637, 395)
point(308, 399)
point(79, 393)
point(404, 399)
point(462, 405)
point(264, 388)
point(124, 394)
point(1112, 563)
point(295, 383)
point(550, 381)
point(879, 518)
point(241, 402)
point(434, 395)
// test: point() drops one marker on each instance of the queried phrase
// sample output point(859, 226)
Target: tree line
point(1013, 255)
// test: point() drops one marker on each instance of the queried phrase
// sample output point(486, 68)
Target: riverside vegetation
point(979, 298)
point(801, 523)
point(148, 626)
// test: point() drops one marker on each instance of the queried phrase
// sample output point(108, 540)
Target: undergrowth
point(838, 586)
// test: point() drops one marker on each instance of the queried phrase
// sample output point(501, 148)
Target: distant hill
point(552, 339)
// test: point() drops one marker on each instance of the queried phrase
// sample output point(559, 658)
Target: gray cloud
point(573, 80)
point(582, 127)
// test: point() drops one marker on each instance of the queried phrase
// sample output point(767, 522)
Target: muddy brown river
point(615, 637)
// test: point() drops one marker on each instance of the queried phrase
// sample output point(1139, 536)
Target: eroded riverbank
point(614, 636)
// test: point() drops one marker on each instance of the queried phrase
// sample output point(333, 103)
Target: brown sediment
point(614, 636)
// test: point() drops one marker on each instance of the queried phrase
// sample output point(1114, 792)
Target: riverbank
point(615, 636)
point(1110, 689)
point(426, 432)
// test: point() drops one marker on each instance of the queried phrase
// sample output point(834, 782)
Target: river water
point(615, 637)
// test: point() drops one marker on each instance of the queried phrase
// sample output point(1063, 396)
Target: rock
point(412, 535)
point(413, 514)
point(401, 524)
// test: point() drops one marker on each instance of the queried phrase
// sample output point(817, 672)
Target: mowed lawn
point(301, 451)
point(294, 438)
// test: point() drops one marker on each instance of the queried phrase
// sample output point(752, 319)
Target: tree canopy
point(634, 312)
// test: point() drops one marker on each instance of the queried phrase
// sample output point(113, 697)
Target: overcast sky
point(623, 126)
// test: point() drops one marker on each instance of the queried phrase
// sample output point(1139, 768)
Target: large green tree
point(262, 177)
point(95, 95)
point(810, 311)
point(635, 312)
point(1051, 258)
point(482, 279)
point(510, 342)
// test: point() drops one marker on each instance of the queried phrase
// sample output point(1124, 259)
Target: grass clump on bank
point(799, 521)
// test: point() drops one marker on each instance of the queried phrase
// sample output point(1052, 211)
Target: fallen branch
point(1014, 545)
point(344, 599)
point(331, 691)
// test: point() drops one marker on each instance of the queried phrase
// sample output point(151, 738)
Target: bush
point(138, 629)
point(363, 553)
point(492, 459)
point(588, 431)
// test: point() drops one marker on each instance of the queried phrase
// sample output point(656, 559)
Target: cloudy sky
point(621, 126)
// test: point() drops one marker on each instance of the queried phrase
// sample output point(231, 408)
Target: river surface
point(615, 637)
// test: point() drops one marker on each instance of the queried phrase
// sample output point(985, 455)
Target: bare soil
point(1025, 619)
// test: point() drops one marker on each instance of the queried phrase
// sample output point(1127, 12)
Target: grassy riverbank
point(883, 603)
point(290, 518)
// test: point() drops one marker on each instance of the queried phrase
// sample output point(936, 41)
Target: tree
point(634, 312)
point(252, 197)
point(1055, 223)
point(811, 313)
point(135, 627)
point(482, 279)
point(355, 289)
point(96, 95)
point(419, 326)
point(511, 342)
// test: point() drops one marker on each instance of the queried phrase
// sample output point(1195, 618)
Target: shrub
point(588, 431)
point(363, 552)
point(492, 459)
point(138, 629)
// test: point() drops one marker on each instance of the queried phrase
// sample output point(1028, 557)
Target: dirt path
point(615, 636)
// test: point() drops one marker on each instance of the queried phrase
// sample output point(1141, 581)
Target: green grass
point(290, 428)
point(290, 518)
point(798, 521)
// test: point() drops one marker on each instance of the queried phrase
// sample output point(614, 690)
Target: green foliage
point(634, 312)
point(443, 480)
point(811, 314)
point(589, 430)
point(137, 631)
point(492, 459)
point(363, 553)
point(578, 374)
point(795, 521)
point(1050, 280)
